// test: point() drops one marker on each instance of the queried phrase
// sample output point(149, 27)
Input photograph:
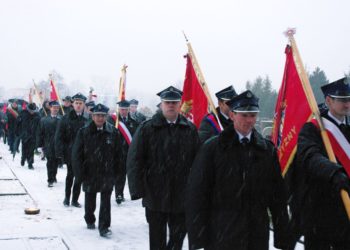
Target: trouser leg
point(120, 182)
point(104, 220)
point(157, 229)
point(51, 165)
point(69, 180)
point(90, 206)
point(177, 231)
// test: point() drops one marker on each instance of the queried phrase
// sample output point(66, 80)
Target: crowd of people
point(221, 183)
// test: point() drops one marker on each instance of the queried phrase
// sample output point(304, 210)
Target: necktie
point(244, 141)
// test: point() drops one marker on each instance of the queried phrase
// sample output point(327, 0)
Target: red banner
point(53, 93)
point(194, 102)
point(291, 112)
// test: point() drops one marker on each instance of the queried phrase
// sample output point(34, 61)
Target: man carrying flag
point(210, 125)
point(127, 127)
point(323, 218)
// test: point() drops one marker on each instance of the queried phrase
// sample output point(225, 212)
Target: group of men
point(220, 183)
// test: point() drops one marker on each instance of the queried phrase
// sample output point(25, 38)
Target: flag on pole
point(292, 111)
point(122, 84)
point(194, 101)
point(121, 96)
point(53, 92)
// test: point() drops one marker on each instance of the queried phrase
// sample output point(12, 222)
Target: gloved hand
point(340, 181)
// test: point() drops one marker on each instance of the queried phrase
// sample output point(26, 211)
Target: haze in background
point(87, 41)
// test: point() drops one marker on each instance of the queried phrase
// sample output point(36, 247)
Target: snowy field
point(56, 226)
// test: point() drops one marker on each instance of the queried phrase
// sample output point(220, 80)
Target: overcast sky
point(234, 41)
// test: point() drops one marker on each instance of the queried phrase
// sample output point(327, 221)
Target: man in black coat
point(210, 126)
point(46, 140)
point(65, 134)
point(12, 113)
point(67, 105)
point(131, 126)
point(323, 219)
point(136, 115)
point(234, 181)
point(45, 110)
point(158, 164)
point(96, 159)
point(28, 121)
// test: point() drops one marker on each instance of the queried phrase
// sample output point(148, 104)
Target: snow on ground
point(56, 226)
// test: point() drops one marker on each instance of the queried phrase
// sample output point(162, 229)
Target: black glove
point(340, 181)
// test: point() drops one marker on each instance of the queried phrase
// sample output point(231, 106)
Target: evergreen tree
point(318, 78)
point(262, 88)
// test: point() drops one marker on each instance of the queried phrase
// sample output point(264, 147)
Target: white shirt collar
point(226, 117)
point(335, 119)
point(240, 136)
point(171, 121)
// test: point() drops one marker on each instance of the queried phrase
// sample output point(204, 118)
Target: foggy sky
point(88, 41)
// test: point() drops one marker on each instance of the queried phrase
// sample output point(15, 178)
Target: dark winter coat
point(229, 195)
point(317, 203)
point(27, 127)
point(131, 124)
point(66, 132)
point(3, 121)
point(96, 157)
point(159, 162)
point(207, 130)
point(138, 117)
point(66, 110)
point(12, 119)
point(46, 135)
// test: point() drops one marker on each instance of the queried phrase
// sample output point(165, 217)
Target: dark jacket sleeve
point(78, 156)
point(312, 155)
point(205, 130)
point(135, 165)
point(59, 139)
point(197, 201)
point(278, 204)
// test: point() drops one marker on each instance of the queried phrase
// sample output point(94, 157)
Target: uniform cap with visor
point(338, 89)
point(226, 94)
point(170, 94)
point(245, 102)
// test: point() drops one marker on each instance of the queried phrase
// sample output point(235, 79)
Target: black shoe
point(22, 162)
point(91, 226)
point(30, 166)
point(76, 204)
point(55, 180)
point(119, 199)
point(66, 202)
point(50, 184)
point(105, 233)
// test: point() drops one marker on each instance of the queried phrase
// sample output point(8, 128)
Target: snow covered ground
point(56, 226)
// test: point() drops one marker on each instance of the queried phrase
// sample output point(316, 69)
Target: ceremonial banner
point(292, 111)
point(194, 101)
point(53, 92)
